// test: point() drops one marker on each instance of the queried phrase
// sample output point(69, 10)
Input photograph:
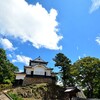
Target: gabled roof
point(27, 66)
point(20, 73)
point(39, 60)
point(72, 89)
point(36, 66)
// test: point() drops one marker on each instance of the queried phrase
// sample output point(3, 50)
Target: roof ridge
point(39, 59)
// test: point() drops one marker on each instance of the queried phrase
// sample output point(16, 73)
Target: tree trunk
point(90, 92)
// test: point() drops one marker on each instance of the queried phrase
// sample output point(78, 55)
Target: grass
point(15, 96)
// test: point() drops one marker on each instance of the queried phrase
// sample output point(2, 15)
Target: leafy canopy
point(6, 68)
point(86, 72)
point(64, 63)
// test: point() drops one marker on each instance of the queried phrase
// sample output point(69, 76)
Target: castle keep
point(36, 72)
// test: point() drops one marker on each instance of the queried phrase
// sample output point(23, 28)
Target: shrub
point(15, 96)
point(5, 86)
point(7, 81)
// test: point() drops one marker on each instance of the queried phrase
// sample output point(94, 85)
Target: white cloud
point(95, 5)
point(29, 23)
point(13, 61)
point(79, 57)
point(98, 40)
point(9, 55)
point(6, 44)
point(22, 59)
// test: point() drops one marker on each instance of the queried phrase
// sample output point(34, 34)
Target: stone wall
point(29, 80)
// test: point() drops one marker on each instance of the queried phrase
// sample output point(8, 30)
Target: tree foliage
point(87, 74)
point(64, 64)
point(6, 69)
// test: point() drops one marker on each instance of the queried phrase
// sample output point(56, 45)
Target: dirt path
point(3, 97)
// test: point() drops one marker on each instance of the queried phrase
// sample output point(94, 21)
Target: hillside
point(38, 92)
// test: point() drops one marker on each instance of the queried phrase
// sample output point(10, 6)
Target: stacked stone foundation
point(36, 80)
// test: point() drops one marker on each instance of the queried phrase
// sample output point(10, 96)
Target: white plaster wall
point(28, 71)
point(39, 70)
point(20, 76)
point(48, 72)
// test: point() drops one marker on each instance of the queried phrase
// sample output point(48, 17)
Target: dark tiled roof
point(39, 60)
point(20, 73)
point(27, 66)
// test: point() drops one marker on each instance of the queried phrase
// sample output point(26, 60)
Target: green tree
point(6, 68)
point(87, 74)
point(64, 63)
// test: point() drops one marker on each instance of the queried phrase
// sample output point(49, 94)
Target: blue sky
point(33, 28)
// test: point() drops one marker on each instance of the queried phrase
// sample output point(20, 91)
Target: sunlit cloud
point(98, 40)
point(31, 23)
point(6, 44)
point(22, 59)
point(95, 5)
